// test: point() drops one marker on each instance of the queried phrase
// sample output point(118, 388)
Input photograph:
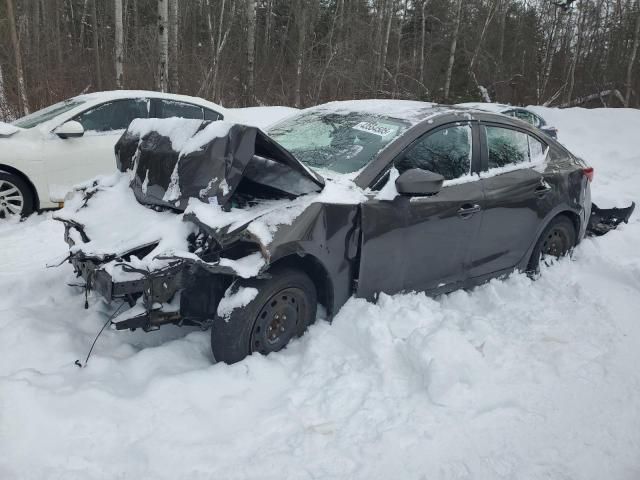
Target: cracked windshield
point(342, 143)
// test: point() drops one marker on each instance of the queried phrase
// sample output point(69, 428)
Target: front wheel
point(556, 241)
point(283, 307)
point(15, 196)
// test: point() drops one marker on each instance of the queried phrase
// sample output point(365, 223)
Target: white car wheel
point(12, 197)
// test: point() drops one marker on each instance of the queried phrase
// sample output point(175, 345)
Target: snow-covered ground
point(514, 380)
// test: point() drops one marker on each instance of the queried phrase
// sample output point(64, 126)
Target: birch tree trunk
point(163, 46)
point(302, 33)
point(119, 44)
point(174, 18)
point(385, 44)
point(22, 91)
point(96, 52)
point(632, 59)
point(5, 111)
point(423, 38)
point(452, 50)
point(250, 88)
point(549, 52)
point(576, 55)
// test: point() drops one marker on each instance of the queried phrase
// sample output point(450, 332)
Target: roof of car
point(488, 107)
point(407, 110)
point(120, 94)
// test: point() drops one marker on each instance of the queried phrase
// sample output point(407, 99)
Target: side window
point(170, 108)
point(509, 147)
point(111, 116)
point(211, 115)
point(446, 151)
point(537, 151)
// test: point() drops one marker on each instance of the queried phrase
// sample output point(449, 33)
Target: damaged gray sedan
point(225, 227)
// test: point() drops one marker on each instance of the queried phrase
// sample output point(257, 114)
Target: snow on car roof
point(487, 107)
point(409, 110)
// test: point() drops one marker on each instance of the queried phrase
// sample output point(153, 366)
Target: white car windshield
point(36, 118)
point(340, 141)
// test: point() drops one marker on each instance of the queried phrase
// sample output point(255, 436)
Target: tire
point(15, 196)
point(284, 307)
point(557, 239)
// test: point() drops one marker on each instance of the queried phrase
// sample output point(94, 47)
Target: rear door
point(517, 197)
point(422, 242)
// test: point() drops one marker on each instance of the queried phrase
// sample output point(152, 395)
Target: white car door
point(70, 161)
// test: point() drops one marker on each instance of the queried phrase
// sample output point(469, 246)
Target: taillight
point(588, 172)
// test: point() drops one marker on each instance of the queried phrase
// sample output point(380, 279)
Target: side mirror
point(70, 129)
point(417, 181)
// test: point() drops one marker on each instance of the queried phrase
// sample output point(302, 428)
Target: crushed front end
point(168, 234)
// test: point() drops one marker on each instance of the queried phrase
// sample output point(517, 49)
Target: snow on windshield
point(340, 141)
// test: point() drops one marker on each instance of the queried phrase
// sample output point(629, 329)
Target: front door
point(422, 242)
point(74, 160)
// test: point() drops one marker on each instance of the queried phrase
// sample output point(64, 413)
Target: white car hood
point(6, 129)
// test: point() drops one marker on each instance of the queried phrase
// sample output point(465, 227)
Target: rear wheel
point(556, 241)
point(15, 196)
point(283, 308)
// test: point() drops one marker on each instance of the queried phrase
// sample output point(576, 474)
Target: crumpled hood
point(173, 160)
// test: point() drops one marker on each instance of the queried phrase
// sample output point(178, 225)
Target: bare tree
point(174, 21)
point(423, 25)
point(218, 43)
point(311, 51)
point(163, 46)
point(96, 51)
point(385, 43)
point(22, 91)
point(119, 44)
point(250, 86)
point(5, 111)
point(301, 20)
point(577, 51)
point(452, 49)
point(632, 58)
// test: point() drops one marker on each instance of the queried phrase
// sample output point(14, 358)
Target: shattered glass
point(341, 142)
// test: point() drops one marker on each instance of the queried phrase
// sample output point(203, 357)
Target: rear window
point(507, 147)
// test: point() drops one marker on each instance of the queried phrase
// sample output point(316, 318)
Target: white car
point(42, 155)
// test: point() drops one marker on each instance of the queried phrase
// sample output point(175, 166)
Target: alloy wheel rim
point(11, 199)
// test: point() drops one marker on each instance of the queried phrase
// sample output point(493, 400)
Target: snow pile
point(116, 223)
point(233, 300)
point(516, 379)
point(180, 131)
point(607, 138)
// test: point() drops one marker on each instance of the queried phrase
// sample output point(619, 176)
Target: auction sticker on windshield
point(378, 129)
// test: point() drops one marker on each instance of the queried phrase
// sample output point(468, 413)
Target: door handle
point(543, 189)
point(467, 210)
